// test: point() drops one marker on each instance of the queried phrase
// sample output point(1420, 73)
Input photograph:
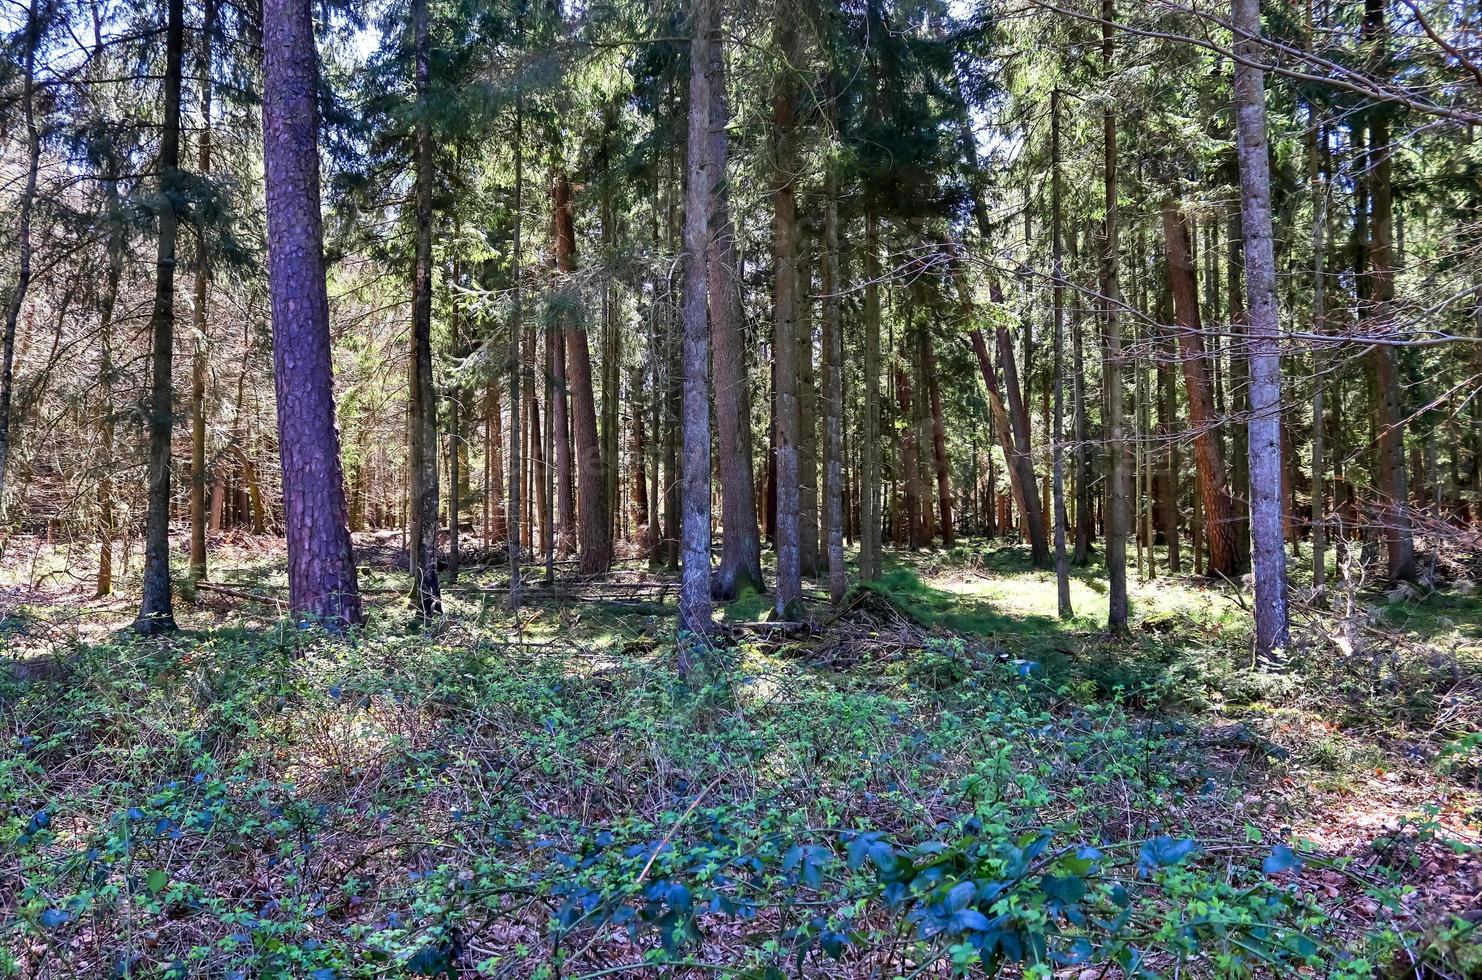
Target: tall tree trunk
point(1226, 553)
point(1318, 181)
point(561, 427)
point(516, 328)
point(637, 454)
point(426, 590)
point(156, 612)
point(910, 469)
point(695, 612)
point(833, 394)
point(199, 345)
point(869, 495)
point(23, 234)
point(106, 305)
point(498, 523)
point(1057, 438)
point(1118, 458)
point(593, 524)
point(1085, 514)
point(1389, 415)
point(938, 437)
point(740, 566)
point(321, 566)
point(807, 421)
point(784, 255)
point(1264, 330)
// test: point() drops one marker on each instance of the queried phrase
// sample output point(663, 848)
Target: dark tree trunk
point(740, 566)
point(869, 493)
point(561, 429)
point(156, 612)
point(23, 233)
point(513, 368)
point(807, 422)
point(593, 523)
point(938, 437)
point(784, 254)
point(1226, 552)
point(910, 471)
point(426, 590)
point(833, 396)
point(321, 566)
point(1057, 447)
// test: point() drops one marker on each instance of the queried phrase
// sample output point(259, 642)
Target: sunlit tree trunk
point(321, 566)
point(788, 589)
point(1118, 457)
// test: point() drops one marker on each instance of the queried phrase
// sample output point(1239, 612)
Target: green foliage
point(249, 803)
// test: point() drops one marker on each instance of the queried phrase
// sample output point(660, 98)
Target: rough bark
point(156, 611)
point(695, 612)
point(593, 530)
point(1226, 553)
point(808, 554)
point(1264, 330)
point(740, 565)
point(784, 258)
point(869, 493)
point(321, 566)
point(833, 396)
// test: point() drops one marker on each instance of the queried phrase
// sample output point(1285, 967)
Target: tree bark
point(938, 437)
point(1226, 553)
point(1118, 458)
point(199, 345)
point(156, 611)
point(869, 493)
point(321, 565)
point(740, 566)
point(784, 256)
point(593, 523)
point(695, 612)
point(833, 395)
point(23, 234)
point(1062, 566)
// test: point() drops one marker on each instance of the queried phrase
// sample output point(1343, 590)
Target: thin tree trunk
point(106, 306)
point(1118, 514)
point(910, 468)
point(938, 437)
point(198, 360)
point(426, 590)
point(1057, 445)
point(784, 253)
point(808, 555)
point(321, 565)
point(833, 395)
point(561, 427)
point(513, 369)
point(869, 496)
point(156, 612)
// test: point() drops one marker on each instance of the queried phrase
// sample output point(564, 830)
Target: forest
point(741, 488)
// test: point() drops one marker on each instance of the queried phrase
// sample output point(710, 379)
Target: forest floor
point(942, 778)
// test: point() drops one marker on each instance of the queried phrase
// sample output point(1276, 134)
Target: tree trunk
point(593, 524)
point(784, 255)
point(23, 235)
point(740, 566)
point(426, 590)
point(910, 468)
point(198, 360)
point(516, 317)
point(938, 437)
point(156, 612)
point(695, 613)
point(808, 555)
point(561, 427)
point(106, 305)
point(833, 395)
point(321, 565)
point(1226, 553)
point(869, 493)
point(1118, 459)
point(1062, 566)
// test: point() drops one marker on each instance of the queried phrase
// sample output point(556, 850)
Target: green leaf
point(156, 881)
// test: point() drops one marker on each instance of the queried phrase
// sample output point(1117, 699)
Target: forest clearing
point(869, 489)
